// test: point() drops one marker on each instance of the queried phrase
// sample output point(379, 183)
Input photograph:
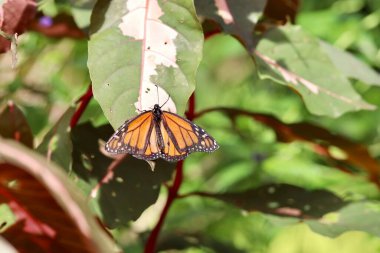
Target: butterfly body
point(160, 134)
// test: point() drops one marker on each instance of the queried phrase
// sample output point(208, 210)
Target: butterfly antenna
point(158, 97)
point(165, 102)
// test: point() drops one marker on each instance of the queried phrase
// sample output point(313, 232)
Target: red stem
point(172, 195)
point(150, 245)
point(83, 100)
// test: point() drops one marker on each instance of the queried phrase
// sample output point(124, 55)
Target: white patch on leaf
point(142, 23)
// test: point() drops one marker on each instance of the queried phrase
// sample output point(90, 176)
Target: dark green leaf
point(56, 145)
point(284, 200)
point(131, 186)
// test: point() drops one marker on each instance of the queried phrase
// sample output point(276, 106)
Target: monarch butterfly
point(160, 134)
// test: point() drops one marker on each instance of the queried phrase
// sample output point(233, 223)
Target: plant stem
point(83, 100)
point(150, 245)
point(172, 195)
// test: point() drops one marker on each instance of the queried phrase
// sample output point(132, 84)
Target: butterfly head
point(157, 111)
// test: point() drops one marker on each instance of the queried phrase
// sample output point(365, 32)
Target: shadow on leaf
point(129, 188)
point(283, 200)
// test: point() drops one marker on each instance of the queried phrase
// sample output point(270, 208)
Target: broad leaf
point(136, 45)
point(51, 216)
point(56, 145)
point(13, 125)
point(292, 57)
point(284, 200)
point(127, 187)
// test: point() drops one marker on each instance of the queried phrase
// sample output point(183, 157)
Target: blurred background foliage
point(52, 73)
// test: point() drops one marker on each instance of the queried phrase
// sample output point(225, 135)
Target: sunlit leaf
point(51, 215)
point(130, 53)
point(290, 56)
point(81, 11)
point(361, 216)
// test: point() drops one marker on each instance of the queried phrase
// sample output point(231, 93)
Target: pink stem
point(84, 100)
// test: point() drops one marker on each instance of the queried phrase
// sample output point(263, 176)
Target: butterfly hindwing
point(170, 151)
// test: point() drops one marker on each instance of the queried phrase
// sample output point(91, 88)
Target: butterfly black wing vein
point(160, 134)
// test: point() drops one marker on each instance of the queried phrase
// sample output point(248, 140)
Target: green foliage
point(294, 108)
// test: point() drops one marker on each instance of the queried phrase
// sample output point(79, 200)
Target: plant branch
point(172, 195)
point(150, 245)
point(83, 100)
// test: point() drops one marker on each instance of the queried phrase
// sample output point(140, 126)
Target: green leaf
point(292, 57)
point(130, 186)
point(13, 125)
point(350, 66)
point(130, 53)
point(361, 216)
point(7, 217)
point(56, 145)
point(49, 209)
point(81, 11)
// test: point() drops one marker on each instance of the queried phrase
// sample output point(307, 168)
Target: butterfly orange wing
point(180, 137)
point(136, 136)
point(173, 139)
